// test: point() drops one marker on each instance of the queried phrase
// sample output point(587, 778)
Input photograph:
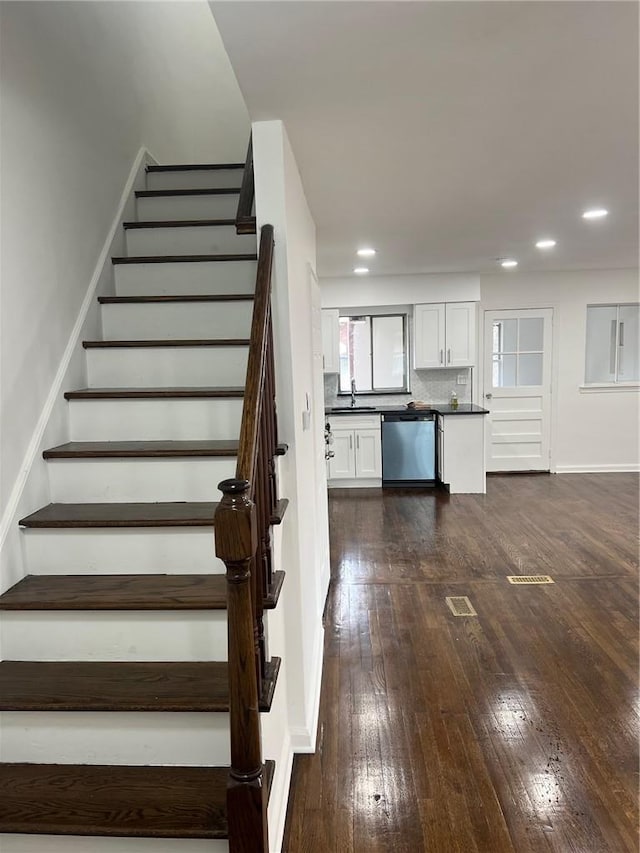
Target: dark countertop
point(438, 408)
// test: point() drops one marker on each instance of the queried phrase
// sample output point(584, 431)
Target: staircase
point(135, 665)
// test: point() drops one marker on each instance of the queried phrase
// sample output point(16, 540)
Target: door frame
point(553, 378)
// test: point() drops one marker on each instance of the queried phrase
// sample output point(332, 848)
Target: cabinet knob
point(489, 396)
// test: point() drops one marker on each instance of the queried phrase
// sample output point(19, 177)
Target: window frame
point(616, 383)
point(405, 389)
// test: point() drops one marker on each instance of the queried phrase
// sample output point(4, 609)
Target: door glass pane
point(505, 336)
point(530, 369)
point(504, 371)
point(601, 343)
point(628, 344)
point(531, 334)
point(388, 352)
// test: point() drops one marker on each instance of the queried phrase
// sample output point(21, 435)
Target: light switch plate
point(462, 379)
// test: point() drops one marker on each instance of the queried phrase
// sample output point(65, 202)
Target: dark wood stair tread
point(278, 513)
point(206, 191)
point(111, 800)
point(141, 449)
point(152, 393)
point(182, 259)
point(196, 297)
point(200, 686)
point(177, 223)
point(126, 592)
point(165, 514)
point(195, 167)
point(190, 342)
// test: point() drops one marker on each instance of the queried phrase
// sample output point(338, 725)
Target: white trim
point(352, 483)
point(6, 524)
point(601, 388)
point(281, 796)
point(303, 738)
point(617, 467)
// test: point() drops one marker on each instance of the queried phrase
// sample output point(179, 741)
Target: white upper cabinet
point(428, 336)
point(330, 340)
point(460, 334)
point(444, 335)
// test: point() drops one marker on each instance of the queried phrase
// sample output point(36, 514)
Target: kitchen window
point(373, 352)
point(612, 350)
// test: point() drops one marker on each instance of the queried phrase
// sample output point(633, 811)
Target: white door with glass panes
point(517, 388)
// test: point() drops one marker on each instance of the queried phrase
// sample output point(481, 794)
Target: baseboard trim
point(9, 516)
point(280, 798)
point(617, 468)
point(303, 738)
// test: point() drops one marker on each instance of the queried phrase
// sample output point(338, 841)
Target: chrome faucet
point(353, 393)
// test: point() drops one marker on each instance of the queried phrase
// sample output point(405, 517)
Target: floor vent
point(460, 605)
point(530, 579)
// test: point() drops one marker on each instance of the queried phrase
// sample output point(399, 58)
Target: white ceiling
point(450, 134)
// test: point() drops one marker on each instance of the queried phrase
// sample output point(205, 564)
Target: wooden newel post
point(236, 544)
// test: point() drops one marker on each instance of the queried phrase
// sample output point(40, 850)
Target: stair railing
point(245, 217)
point(242, 532)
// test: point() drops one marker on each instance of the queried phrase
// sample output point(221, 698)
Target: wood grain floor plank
point(515, 731)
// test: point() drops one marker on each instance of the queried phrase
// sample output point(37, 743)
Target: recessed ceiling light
point(545, 244)
point(366, 253)
point(508, 263)
point(361, 270)
point(595, 213)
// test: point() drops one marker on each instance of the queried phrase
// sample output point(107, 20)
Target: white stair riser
point(154, 367)
point(201, 277)
point(132, 480)
point(156, 208)
point(176, 320)
point(180, 635)
point(203, 240)
point(195, 180)
point(123, 550)
point(154, 420)
point(96, 737)
point(91, 844)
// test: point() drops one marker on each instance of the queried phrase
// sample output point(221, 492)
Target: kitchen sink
point(353, 409)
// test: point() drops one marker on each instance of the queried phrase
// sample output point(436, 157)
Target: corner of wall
point(31, 487)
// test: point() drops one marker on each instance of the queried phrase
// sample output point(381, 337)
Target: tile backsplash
point(430, 386)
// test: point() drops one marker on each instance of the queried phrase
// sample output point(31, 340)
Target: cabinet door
point(429, 336)
point(330, 340)
point(368, 453)
point(460, 334)
point(343, 463)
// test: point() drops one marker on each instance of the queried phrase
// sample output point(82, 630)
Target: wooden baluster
point(270, 405)
point(236, 543)
point(260, 584)
point(265, 508)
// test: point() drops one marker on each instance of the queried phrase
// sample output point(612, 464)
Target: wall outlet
point(462, 379)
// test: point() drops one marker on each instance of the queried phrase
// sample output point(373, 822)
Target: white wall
point(592, 430)
point(361, 291)
point(83, 87)
point(280, 200)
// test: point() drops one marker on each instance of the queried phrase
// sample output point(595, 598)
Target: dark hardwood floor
point(515, 731)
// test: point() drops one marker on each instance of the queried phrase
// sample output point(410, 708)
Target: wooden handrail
point(257, 364)
point(245, 218)
point(242, 527)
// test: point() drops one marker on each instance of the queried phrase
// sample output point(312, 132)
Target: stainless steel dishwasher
point(409, 449)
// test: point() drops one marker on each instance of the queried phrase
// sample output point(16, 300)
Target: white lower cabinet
point(357, 449)
point(461, 460)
